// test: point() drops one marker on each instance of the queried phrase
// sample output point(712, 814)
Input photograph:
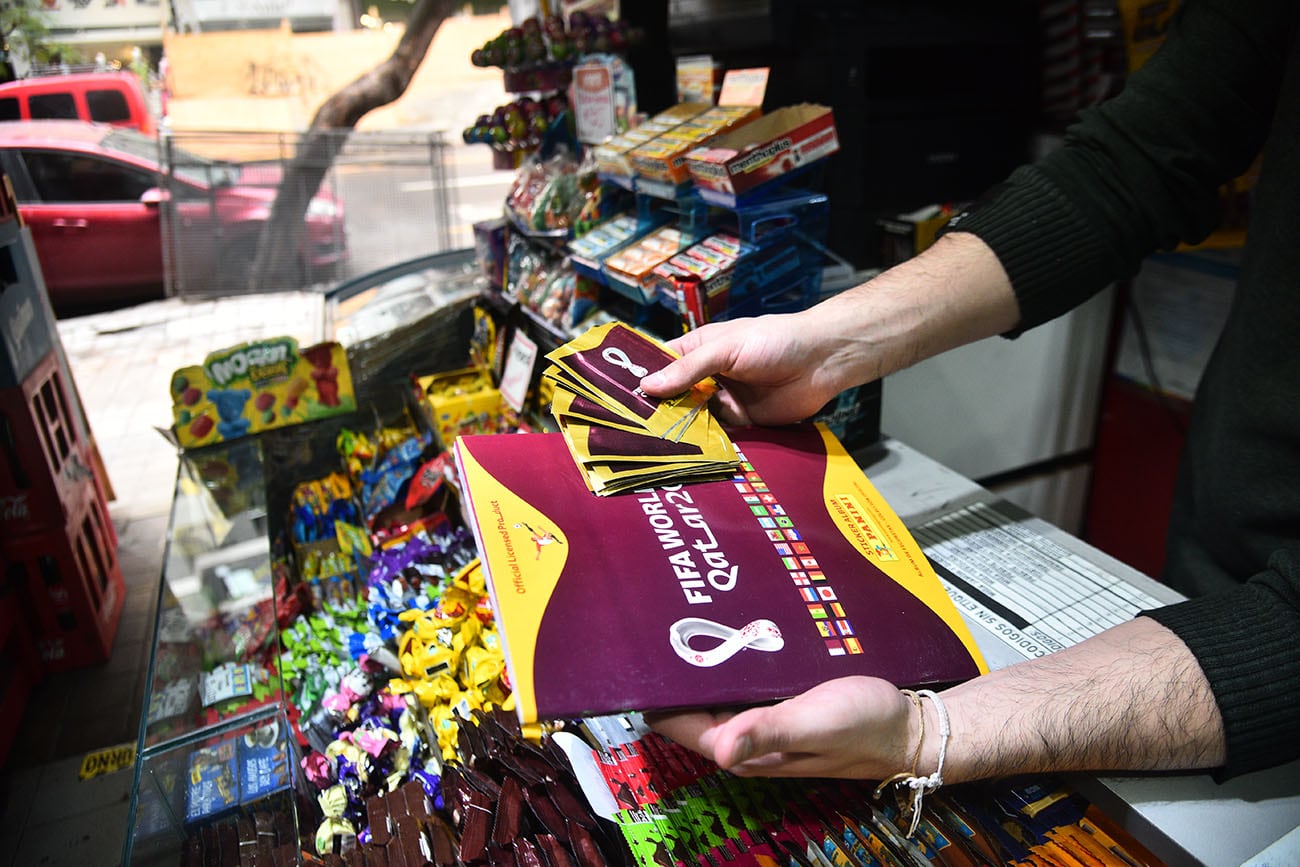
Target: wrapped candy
point(319, 770)
point(375, 739)
point(334, 829)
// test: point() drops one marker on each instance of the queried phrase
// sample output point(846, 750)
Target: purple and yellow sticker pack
point(620, 437)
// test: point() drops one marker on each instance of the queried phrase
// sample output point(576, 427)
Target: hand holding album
point(621, 438)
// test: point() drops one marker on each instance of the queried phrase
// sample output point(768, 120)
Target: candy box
point(612, 156)
point(252, 387)
point(213, 781)
point(264, 763)
point(630, 270)
point(490, 249)
point(762, 151)
point(229, 680)
point(603, 240)
point(664, 158)
point(462, 401)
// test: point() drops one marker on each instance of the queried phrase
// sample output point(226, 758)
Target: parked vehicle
point(115, 98)
point(94, 197)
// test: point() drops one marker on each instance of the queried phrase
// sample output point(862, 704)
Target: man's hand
point(778, 369)
point(770, 369)
point(852, 727)
point(1129, 698)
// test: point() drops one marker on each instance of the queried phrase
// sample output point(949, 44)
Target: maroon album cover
point(755, 588)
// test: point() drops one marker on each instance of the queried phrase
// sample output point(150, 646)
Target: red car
point(115, 98)
point(95, 197)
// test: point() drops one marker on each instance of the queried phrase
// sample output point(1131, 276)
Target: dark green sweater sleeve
point(1140, 172)
point(1245, 641)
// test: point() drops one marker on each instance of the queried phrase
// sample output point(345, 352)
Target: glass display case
point(217, 769)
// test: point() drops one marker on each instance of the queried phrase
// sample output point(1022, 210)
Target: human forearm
point(954, 293)
point(779, 369)
point(1131, 698)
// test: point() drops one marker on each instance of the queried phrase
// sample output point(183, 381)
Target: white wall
point(999, 405)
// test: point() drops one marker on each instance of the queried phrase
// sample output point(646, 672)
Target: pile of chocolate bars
point(510, 802)
point(404, 832)
point(264, 837)
point(621, 438)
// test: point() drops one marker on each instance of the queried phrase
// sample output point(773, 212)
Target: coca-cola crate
point(69, 582)
point(28, 330)
point(47, 467)
point(20, 669)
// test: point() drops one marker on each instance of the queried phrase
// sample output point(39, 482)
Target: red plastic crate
point(70, 584)
point(20, 671)
point(46, 465)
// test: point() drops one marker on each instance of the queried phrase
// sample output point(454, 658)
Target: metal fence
point(384, 198)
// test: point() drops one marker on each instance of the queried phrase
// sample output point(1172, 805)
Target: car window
point(14, 170)
point(107, 106)
point(196, 169)
point(60, 176)
point(9, 109)
point(52, 105)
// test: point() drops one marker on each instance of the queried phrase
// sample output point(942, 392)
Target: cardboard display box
point(762, 151)
point(462, 401)
point(612, 157)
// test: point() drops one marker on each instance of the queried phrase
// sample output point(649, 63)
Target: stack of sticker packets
point(621, 438)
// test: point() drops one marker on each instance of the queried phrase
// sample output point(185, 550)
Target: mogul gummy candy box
point(253, 387)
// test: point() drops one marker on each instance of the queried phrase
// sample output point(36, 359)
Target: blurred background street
point(122, 355)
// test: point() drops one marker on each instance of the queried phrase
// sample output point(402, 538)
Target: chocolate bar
point(381, 830)
point(415, 848)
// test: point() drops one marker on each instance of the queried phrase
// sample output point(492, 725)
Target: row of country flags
point(808, 579)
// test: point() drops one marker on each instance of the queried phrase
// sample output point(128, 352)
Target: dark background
point(934, 100)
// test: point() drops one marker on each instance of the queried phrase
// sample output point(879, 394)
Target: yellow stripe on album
point(525, 554)
point(864, 519)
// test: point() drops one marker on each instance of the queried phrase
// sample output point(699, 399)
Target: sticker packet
point(621, 437)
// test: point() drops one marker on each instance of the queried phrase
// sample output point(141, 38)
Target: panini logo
point(754, 159)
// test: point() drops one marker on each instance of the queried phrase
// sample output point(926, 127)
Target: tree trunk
point(283, 235)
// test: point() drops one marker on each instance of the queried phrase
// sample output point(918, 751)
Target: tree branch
point(283, 234)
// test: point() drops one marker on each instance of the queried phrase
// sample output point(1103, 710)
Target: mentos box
point(762, 151)
point(253, 387)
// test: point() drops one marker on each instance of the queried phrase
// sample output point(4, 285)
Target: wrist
point(934, 741)
point(918, 781)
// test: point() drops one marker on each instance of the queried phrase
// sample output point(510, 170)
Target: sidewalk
point(122, 364)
